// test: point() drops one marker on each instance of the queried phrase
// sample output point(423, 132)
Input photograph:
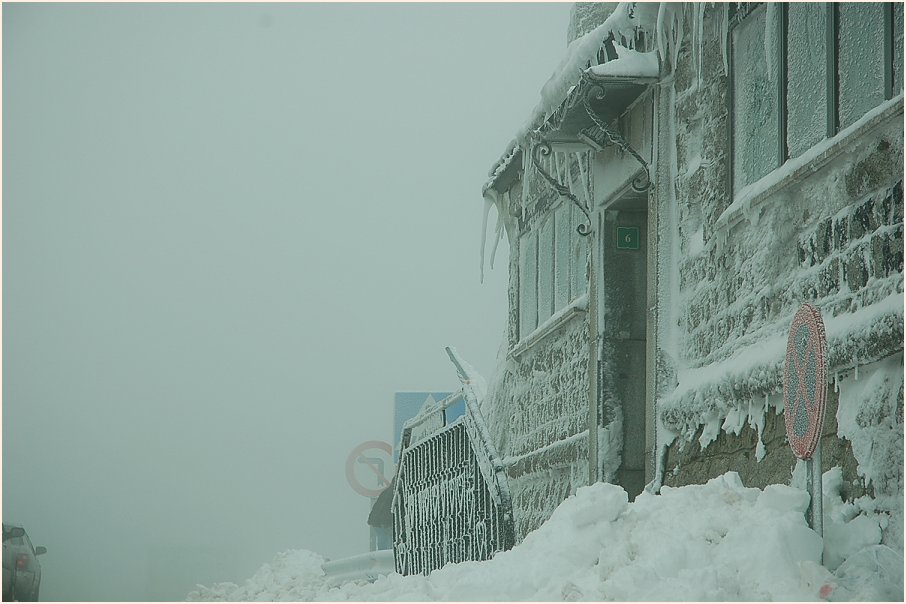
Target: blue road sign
point(407, 405)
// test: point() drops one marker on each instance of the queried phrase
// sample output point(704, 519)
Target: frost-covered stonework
point(537, 416)
point(827, 228)
point(818, 220)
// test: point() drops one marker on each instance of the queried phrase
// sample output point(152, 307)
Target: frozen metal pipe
point(362, 567)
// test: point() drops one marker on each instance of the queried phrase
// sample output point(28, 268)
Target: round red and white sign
point(805, 381)
point(368, 468)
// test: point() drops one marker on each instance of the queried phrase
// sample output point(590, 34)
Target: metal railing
point(451, 502)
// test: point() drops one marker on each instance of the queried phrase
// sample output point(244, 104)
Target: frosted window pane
point(562, 239)
point(546, 270)
point(807, 77)
point(897, 48)
point(755, 120)
point(861, 59)
point(528, 284)
point(579, 254)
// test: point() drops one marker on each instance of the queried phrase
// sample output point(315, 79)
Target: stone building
point(725, 163)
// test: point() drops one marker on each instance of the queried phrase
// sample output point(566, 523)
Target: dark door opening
point(624, 324)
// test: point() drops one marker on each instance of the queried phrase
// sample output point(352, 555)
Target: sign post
point(804, 394)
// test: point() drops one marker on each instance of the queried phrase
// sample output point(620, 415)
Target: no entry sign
point(805, 381)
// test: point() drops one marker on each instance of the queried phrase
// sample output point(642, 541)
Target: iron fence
point(450, 502)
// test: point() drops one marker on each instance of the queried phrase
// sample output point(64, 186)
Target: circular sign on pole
point(368, 464)
point(805, 381)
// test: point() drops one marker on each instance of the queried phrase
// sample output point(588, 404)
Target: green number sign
point(627, 238)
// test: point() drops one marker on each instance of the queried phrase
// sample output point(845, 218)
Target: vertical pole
point(817, 492)
point(593, 419)
point(814, 480)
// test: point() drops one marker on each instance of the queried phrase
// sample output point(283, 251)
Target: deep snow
point(717, 541)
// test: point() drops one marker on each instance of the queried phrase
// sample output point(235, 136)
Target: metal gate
point(450, 502)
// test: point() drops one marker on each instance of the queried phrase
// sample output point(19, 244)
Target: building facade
point(692, 174)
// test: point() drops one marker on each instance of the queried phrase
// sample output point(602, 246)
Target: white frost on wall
point(870, 416)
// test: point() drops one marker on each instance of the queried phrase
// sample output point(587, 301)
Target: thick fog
point(230, 234)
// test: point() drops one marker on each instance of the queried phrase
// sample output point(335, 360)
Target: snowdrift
point(717, 541)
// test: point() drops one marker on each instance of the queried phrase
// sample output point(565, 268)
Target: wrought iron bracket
point(596, 91)
point(543, 148)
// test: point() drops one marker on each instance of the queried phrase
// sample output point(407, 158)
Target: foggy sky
point(230, 234)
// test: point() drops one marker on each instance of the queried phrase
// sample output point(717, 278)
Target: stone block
point(879, 249)
point(896, 203)
point(823, 240)
point(856, 272)
point(841, 233)
point(856, 224)
point(894, 256)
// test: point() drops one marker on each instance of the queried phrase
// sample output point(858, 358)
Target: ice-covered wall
point(537, 402)
point(826, 228)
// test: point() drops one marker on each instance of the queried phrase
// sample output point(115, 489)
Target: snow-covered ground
point(717, 541)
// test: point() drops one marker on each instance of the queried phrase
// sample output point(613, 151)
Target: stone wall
point(829, 232)
point(731, 273)
point(688, 463)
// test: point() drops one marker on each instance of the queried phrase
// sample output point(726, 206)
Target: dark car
point(21, 570)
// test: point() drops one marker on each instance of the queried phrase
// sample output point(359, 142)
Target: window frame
point(738, 14)
point(576, 264)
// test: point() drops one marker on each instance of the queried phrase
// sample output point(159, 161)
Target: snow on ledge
point(706, 395)
point(630, 63)
point(577, 306)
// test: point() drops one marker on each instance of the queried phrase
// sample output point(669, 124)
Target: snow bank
point(717, 541)
point(295, 575)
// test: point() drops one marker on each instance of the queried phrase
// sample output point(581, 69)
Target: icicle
point(569, 172)
point(770, 39)
point(696, 36)
point(502, 209)
point(856, 375)
point(659, 32)
point(700, 8)
point(490, 199)
point(725, 42)
point(836, 382)
point(585, 184)
point(678, 32)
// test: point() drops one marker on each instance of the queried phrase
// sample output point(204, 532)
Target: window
point(807, 72)
point(801, 72)
point(546, 267)
point(528, 283)
point(860, 59)
point(552, 264)
point(755, 90)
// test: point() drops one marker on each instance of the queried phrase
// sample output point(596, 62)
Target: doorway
point(623, 327)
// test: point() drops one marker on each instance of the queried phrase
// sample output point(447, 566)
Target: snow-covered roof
point(513, 154)
point(582, 55)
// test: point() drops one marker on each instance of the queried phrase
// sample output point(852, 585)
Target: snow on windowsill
point(756, 193)
point(558, 319)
